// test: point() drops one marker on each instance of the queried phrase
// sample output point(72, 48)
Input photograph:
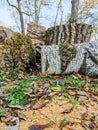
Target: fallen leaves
point(45, 95)
point(65, 122)
point(32, 107)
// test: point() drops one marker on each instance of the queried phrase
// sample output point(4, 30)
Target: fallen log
point(66, 59)
point(70, 32)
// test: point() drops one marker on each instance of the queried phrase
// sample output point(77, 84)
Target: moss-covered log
point(70, 32)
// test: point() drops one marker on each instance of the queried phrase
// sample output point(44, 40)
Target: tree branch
point(18, 9)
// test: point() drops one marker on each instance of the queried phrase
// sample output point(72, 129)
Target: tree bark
point(71, 32)
point(82, 58)
point(74, 9)
point(50, 59)
point(21, 17)
point(20, 14)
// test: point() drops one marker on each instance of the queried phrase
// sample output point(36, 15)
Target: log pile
point(17, 53)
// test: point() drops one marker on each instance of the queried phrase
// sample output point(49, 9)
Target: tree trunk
point(70, 32)
point(50, 59)
point(81, 58)
point(21, 17)
point(74, 9)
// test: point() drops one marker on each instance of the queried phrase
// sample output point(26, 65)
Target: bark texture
point(50, 59)
point(74, 9)
point(71, 33)
point(81, 58)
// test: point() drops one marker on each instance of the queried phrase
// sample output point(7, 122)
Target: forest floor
point(50, 102)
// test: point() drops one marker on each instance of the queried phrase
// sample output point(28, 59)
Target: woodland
point(49, 76)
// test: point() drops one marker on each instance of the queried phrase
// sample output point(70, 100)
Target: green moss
point(49, 32)
point(67, 52)
point(47, 42)
point(48, 35)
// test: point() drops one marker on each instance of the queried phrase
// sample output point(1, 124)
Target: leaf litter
point(50, 102)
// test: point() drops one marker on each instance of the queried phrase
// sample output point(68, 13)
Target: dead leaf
point(84, 116)
point(21, 116)
point(88, 79)
point(81, 93)
point(77, 74)
point(67, 110)
point(38, 127)
point(88, 125)
point(6, 119)
point(71, 92)
point(65, 122)
point(39, 107)
point(16, 107)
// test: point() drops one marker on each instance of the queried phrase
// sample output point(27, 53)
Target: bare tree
point(19, 9)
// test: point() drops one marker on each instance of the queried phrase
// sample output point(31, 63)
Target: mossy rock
point(18, 53)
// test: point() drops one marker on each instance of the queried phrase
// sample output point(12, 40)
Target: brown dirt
point(51, 114)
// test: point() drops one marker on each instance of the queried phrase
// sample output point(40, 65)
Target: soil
point(52, 114)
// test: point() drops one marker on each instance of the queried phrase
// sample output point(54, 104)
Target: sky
point(47, 14)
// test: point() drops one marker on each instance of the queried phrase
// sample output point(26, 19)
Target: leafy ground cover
point(51, 102)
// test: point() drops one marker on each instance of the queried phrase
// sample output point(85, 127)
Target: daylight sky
point(47, 15)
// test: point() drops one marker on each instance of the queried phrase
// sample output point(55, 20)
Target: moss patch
point(67, 52)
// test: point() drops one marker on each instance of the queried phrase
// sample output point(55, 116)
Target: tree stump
point(67, 59)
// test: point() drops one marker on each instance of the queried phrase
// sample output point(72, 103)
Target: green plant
point(18, 97)
point(44, 79)
point(2, 77)
point(25, 83)
point(74, 82)
point(73, 100)
point(2, 112)
point(63, 88)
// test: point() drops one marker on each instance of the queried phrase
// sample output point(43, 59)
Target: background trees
point(52, 12)
point(26, 9)
point(74, 9)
